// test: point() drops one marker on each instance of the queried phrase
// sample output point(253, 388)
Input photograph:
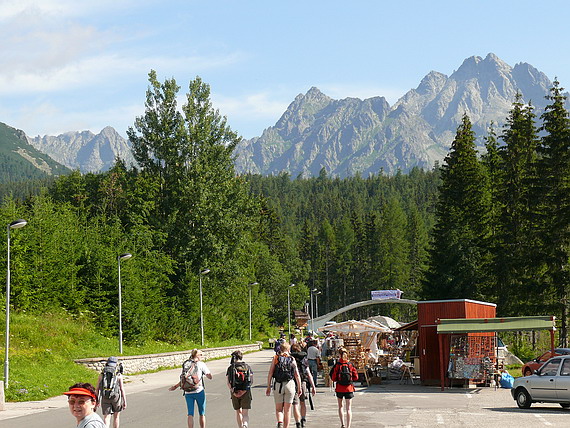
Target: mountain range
point(84, 150)
point(352, 136)
point(345, 137)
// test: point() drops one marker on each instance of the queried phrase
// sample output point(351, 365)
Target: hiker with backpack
point(344, 374)
point(307, 383)
point(278, 343)
point(192, 384)
point(239, 378)
point(284, 376)
point(111, 392)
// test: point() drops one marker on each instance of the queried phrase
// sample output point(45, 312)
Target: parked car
point(535, 364)
point(550, 384)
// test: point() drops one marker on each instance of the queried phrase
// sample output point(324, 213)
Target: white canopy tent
point(366, 330)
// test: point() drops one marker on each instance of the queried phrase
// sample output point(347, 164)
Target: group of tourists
point(292, 378)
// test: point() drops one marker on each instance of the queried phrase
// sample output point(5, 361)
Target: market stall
point(360, 339)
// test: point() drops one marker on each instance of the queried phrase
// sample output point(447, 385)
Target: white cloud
point(253, 107)
point(59, 9)
point(46, 118)
point(103, 69)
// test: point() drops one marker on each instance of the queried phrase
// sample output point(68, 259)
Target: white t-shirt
point(201, 371)
point(313, 353)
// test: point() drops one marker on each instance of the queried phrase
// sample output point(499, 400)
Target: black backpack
point(110, 384)
point(240, 376)
point(189, 379)
point(344, 374)
point(283, 369)
point(302, 365)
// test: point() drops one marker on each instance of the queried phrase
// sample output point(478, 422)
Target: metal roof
point(482, 325)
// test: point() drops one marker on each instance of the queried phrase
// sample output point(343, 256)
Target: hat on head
point(112, 361)
point(80, 391)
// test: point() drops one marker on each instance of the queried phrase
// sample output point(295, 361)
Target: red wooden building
point(428, 313)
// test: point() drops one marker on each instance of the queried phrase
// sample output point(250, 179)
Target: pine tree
point(458, 257)
point(554, 208)
point(514, 243)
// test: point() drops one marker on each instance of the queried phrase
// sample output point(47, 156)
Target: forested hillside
point(493, 228)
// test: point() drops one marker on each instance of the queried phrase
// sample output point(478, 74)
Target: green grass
point(42, 350)
point(514, 370)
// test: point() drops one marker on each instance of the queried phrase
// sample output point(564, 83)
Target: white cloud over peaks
point(251, 107)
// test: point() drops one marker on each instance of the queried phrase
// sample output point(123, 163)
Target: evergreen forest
point(493, 227)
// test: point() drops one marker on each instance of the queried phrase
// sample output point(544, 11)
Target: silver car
point(549, 384)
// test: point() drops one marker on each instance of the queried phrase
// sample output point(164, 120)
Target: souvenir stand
point(359, 338)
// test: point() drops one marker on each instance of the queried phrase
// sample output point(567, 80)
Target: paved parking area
point(394, 405)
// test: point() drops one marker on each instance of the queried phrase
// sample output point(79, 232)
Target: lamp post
point(124, 256)
point(289, 308)
point(317, 302)
point(250, 285)
point(313, 310)
point(204, 272)
point(16, 224)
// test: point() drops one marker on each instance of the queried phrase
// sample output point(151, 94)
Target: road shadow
point(420, 389)
point(535, 409)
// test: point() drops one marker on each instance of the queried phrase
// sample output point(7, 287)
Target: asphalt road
point(151, 405)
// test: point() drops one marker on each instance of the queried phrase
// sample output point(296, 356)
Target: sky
point(74, 65)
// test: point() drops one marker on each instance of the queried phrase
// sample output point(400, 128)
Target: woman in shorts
point(198, 395)
point(344, 374)
point(284, 389)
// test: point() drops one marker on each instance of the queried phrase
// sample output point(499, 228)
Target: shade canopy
point(355, 327)
point(483, 325)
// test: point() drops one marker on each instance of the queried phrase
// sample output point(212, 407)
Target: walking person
point(344, 374)
point(313, 355)
point(192, 383)
point(239, 378)
point(307, 386)
point(82, 401)
point(111, 392)
point(284, 375)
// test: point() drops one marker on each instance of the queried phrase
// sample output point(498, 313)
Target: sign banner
point(386, 294)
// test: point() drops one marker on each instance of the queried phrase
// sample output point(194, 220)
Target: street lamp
point(289, 308)
point(314, 290)
point(16, 224)
point(204, 272)
point(317, 302)
point(250, 285)
point(124, 256)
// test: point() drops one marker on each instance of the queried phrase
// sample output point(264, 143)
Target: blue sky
point(72, 65)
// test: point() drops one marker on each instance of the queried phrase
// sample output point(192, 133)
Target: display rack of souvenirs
point(471, 357)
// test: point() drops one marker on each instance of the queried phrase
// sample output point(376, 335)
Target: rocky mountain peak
point(350, 135)
point(432, 83)
point(85, 150)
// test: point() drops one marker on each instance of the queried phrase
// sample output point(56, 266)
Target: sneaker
point(279, 424)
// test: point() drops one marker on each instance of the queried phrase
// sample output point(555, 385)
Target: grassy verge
point(42, 350)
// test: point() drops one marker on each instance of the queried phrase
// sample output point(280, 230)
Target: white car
point(549, 384)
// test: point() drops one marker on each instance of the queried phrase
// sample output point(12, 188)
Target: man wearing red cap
point(82, 401)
